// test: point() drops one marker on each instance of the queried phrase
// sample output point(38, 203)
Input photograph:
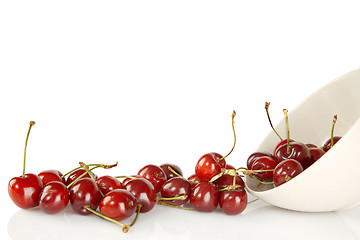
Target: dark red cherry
point(83, 193)
point(264, 163)
point(286, 170)
point(298, 151)
point(227, 180)
point(52, 175)
point(175, 187)
point(118, 204)
point(281, 143)
point(25, 191)
point(254, 156)
point(229, 166)
point(153, 174)
point(144, 193)
point(193, 180)
point(327, 144)
point(54, 197)
point(208, 166)
point(108, 183)
point(77, 173)
point(233, 202)
point(204, 197)
point(169, 174)
point(315, 153)
point(126, 180)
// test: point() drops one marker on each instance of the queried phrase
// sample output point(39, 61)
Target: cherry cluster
point(289, 158)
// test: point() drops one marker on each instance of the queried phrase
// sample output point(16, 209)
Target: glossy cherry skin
point(108, 183)
point(47, 176)
point(193, 180)
point(144, 193)
point(208, 166)
point(54, 197)
point(281, 143)
point(126, 180)
point(77, 173)
point(153, 174)
point(286, 170)
point(168, 173)
point(25, 191)
point(118, 204)
point(227, 180)
point(83, 193)
point(233, 202)
point(327, 144)
point(204, 197)
point(298, 151)
point(254, 156)
point(264, 163)
point(315, 153)
point(175, 187)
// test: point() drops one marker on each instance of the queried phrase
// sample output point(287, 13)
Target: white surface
point(156, 81)
point(315, 190)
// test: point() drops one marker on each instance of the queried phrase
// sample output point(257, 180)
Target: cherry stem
point(174, 172)
point(174, 206)
point(82, 175)
point(288, 131)
point(137, 215)
point(32, 123)
point(267, 104)
point(332, 130)
point(260, 181)
point(230, 187)
point(249, 172)
point(233, 128)
point(124, 176)
point(181, 197)
point(124, 226)
point(91, 164)
point(86, 167)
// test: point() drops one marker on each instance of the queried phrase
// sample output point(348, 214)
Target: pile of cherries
point(214, 183)
point(289, 158)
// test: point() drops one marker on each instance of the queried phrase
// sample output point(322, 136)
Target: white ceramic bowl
point(332, 183)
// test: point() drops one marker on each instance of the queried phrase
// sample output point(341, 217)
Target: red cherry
point(208, 166)
point(193, 180)
point(204, 197)
point(254, 156)
point(118, 204)
point(144, 193)
point(54, 197)
point(47, 176)
point(77, 173)
point(108, 183)
point(131, 177)
point(282, 143)
point(227, 180)
point(298, 151)
point(286, 170)
point(153, 174)
point(327, 144)
point(264, 163)
point(25, 191)
point(233, 202)
point(175, 187)
point(83, 193)
point(315, 153)
point(169, 174)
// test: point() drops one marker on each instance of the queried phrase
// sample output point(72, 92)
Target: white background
point(142, 82)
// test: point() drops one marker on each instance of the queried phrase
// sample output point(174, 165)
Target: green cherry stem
point(32, 123)
point(233, 128)
point(173, 206)
point(82, 175)
point(181, 197)
point(91, 165)
point(174, 172)
point(124, 226)
point(332, 130)
point(267, 104)
point(137, 215)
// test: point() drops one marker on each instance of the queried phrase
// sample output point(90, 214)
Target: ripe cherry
point(127, 179)
point(54, 197)
point(169, 174)
point(282, 143)
point(227, 180)
point(175, 187)
point(264, 163)
point(297, 151)
point(286, 170)
point(25, 190)
point(315, 152)
point(144, 193)
point(118, 204)
point(193, 180)
point(153, 174)
point(208, 167)
point(234, 201)
point(47, 176)
point(327, 144)
point(83, 193)
point(108, 183)
point(254, 156)
point(77, 173)
point(204, 197)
